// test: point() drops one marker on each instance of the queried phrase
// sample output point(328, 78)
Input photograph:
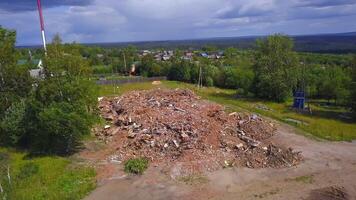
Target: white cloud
point(135, 20)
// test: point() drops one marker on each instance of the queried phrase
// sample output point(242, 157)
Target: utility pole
point(200, 76)
point(39, 6)
point(125, 62)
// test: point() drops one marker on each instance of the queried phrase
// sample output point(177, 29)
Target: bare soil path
point(328, 172)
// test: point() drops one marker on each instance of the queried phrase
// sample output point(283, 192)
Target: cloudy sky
point(140, 20)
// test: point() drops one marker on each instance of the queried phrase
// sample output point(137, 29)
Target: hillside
point(321, 43)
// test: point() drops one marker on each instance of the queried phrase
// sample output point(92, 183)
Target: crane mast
point(39, 6)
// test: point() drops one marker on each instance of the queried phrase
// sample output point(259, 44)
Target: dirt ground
point(328, 172)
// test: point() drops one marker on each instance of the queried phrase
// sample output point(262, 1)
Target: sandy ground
point(326, 164)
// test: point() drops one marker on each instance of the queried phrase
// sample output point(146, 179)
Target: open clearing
point(327, 172)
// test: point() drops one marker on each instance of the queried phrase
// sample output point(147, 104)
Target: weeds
point(308, 179)
point(136, 166)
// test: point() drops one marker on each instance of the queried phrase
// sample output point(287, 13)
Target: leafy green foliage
point(181, 71)
point(57, 128)
point(12, 125)
point(102, 69)
point(275, 68)
point(7, 48)
point(136, 166)
point(353, 86)
point(15, 82)
point(62, 108)
point(54, 114)
point(236, 78)
point(333, 83)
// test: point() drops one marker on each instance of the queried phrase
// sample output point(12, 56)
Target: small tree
point(15, 82)
point(180, 71)
point(275, 67)
point(61, 109)
point(333, 84)
point(353, 86)
point(12, 127)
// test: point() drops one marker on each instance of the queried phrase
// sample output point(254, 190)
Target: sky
point(90, 21)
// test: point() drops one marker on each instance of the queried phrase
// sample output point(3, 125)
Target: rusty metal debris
point(171, 126)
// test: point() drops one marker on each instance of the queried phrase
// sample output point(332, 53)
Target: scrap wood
point(170, 126)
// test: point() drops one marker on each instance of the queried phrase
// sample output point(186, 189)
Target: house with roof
point(35, 66)
point(38, 72)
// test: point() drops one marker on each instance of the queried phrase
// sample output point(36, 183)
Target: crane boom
point(39, 6)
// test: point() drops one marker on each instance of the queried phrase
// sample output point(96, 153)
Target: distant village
point(158, 55)
point(187, 55)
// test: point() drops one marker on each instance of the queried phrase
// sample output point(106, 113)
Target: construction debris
point(175, 126)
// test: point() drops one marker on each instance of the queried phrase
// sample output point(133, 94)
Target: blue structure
point(299, 100)
point(205, 55)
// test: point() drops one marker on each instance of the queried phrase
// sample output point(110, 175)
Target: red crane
point(39, 6)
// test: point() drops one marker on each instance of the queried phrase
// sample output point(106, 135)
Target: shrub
point(209, 82)
point(58, 128)
point(102, 69)
point(180, 71)
point(11, 126)
point(136, 166)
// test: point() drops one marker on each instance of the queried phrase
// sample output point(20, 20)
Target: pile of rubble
point(175, 126)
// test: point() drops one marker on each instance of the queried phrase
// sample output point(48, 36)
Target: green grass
point(324, 123)
point(109, 90)
point(44, 178)
point(305, 179)
point(308, 179)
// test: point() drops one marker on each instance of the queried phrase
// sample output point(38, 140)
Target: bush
point(59, 128)
point(180, 71)
point(209, 82)
point(11, 127)
point(136, 166)
point(102, 69)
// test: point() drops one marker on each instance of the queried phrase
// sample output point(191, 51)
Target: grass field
point(324, 122)
point(43, 178)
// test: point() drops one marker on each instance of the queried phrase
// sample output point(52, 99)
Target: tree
point(333, 83)
point(230, 52)
point(146, 64)
point(275, 67)
point(61, 110)
point(180, 71)
point(353, 86)
point(12, 127)
point(15, 85)
point(15, 82)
